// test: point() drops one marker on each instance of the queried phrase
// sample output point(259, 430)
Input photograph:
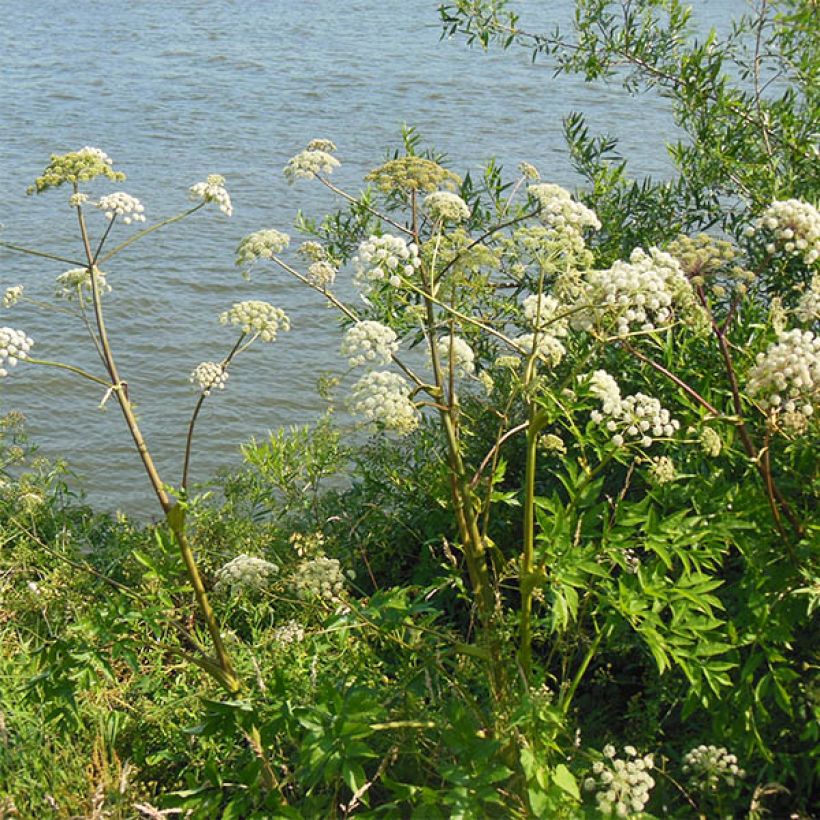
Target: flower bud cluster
point(209, 376)
point(321, 273)
point(640, 295)
point(662, 469)
point(14, 345)
point(444, 206)
point(787, 376)
point(621, 785)
point(710, 766)
point(463, 355)
point(12, 296)
point(76, 279)
point(808, 308)
point(288, 633)
point(244, 571)
point(310, 162)
point(258, 317)
point(319, 577)
point(546, 346)
point(124, 205)
point(261, 245)
point(528, 170)
point(212, 190)
point(541, 312)
point(561, 213)
point(795, 226)
point(384, 258)
point(77, 199)
point(710, 442)
point(384, 398)
point(76, 167)
point(639, 418)
point(369, 342)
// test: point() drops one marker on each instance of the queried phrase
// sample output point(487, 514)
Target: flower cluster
point(288, 633)
point(562, 214)
point(707, 766)
point(384, 258)
point(258, 317)
point(787, 376)
point(546, 346)
point(541, 312)
point(14, 345)
point(77, 199)
point(621, 786)
point(637, 417)
point(319, 577)
point(662, 469)
point(795, 226)
point(710, 442)
point(322, 274)
point(444, 206)
point(12, 296)
point(76, 167)
point(261, 245)
point(124, 205)
point(212, 190)
point(312, 161)
point(72, 281)
point(463, 355)
point(528, 170)
point(413, 174)
point(384, 398)
point(209, 376)
point(244, 571)
point(808, 308)
point(369, 342)
point(640, 295)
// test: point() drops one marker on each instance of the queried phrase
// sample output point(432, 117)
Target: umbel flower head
point(794, 227)
point(315, 159)
point(444, 206)
point(124, 205)
point(546, 346)
point(413, 174)
point(70, 283)
point(320, 577)
point(621, 785)
point(212, 190)
point(12, 296)
point(74, 168)
point(709, 767)
point(369, 342)
point(562, 214)
point(14, 346)
point(209, 376)
point(257, 317)
point(384, 398)
point(261, 245)
point(244, 571)
point(463, 355)
point(384, 259)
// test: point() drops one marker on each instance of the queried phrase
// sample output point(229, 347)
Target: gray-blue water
point(175, 91)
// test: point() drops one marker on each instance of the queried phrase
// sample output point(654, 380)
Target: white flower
point(463, 355)
point(708, 767)
point(77, 199)
point(384, 398)
point(562, 214)
point(213, 190)
point(244, 571)
point(307, 164)
point(445, 206)
point(259, 317)
point(321, 145)
point(622, 786)
point(290, 632)
point(808, 308)
point(546, 346)
point(795, 226)
point(14, 346)
point(208, 376)
point(261, 245)
point(541, 311)
point(76, 279)
point(384, 259)
point(124, 205)
point(663, 469)
point(321, 273)
point(528, 170)
point(12, 296)
point(319, 577)
point(369, 342)
point(643, 294)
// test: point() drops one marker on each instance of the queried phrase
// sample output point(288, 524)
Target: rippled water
point(175, 91)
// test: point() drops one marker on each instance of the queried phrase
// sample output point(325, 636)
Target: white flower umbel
point(321, 145)
point(12, 296)
point(321, 273)
point(794, 226)
point(786, 378)
point(319, 577)
point(562, 214)
point(123, 205)
point(14, 346)
point(384, 398)
point(384, 259)
point(212, 190)
point(637, 419)
point(808, 308)
point(463, 355)
point(444, 206)
point(662, 469)
point(541, 312)
point(643, 294)
point(307, 164)
point(261, 245)
point(710, 767)
point(209, 376)
point(547, 347)
point(76, 279)
point(244, 571)
point(369, 342)
point(258, 317)
point(621, 785)
point(77, 199)
point(288, 633)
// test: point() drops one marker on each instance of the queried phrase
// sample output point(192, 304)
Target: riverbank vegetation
point(551, 552)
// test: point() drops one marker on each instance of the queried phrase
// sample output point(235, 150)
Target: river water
point(175, 91)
